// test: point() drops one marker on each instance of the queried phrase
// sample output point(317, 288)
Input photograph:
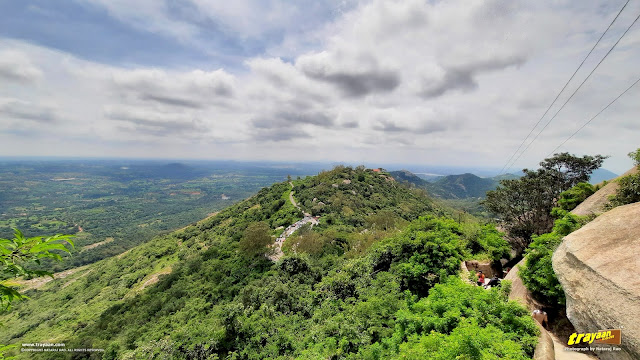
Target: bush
point(537, 273)
point(567, 222)
point(256, 239)
point(628, 191)
point(461, 321)
point(487, 240)
point(426, 252)
point(468, 341)
point(571, 198)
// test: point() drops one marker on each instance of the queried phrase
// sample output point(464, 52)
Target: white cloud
point(16, 66)
point(450, 82)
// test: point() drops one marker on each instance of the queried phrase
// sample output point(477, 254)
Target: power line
point(564, 87)
point(596, 115)
point(576, 90)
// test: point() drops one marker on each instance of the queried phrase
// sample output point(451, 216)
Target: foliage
point(193, 294)
point(525, 204)
point(568, 222)
point(18, 253)
point(459, 320)
point(486, 241)
point(5, 348)
point(628, 191)
point(635, 156)
point(538, 275)
point(256, 239)
point(383, 220)
point(428, 250)
point(349, 196)
point(306, 241)
point(571, 198)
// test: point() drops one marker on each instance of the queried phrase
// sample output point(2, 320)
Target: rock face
point(599, 269)
point(545, 348)
point(519, 292)
point(595, 203)
point(484, 266)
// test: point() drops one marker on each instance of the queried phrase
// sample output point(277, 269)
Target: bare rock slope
point(595, 204)
point(599, 269)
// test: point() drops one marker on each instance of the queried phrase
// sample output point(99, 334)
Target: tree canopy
point(256, 239)
point(525, 204)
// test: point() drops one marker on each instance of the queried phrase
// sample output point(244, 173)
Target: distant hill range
point(601, 175)
point(450, 186)
point(469, 185)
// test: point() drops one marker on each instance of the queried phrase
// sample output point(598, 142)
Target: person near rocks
point(480, 276)
point(540, 316)
point(495, 281)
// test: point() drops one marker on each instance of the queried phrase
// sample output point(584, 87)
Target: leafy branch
point(17, 253)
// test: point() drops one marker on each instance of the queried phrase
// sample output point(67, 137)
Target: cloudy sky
point(456, 82)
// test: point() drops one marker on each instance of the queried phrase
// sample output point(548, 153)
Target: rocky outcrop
point(545, 347)
point(519, 292)
point(596, 203)
point(599, 269)
point(484, 266)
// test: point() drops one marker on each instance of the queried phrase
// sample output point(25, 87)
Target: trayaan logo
point(610, 337)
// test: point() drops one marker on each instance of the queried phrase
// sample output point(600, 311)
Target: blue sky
point(451, 83)
point(89, 31)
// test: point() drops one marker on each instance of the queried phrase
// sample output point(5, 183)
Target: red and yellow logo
point(611, 337)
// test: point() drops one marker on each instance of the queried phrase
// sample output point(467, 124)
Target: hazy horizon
point(418, 169)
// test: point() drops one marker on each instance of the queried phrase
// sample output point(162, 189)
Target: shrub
point(567, 222)
point(256, 239)
point(462, 321)
point(571, 198)
point(628, 191)
point(537, 273)
point(426, 252)
point(487, 240)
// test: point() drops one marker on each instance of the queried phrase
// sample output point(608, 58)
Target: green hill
point(450, 186)
point(369, 281)
point(466, 185)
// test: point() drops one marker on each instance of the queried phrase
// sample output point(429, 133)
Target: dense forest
point(378, 278)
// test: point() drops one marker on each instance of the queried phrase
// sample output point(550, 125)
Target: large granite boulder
point(599, 269)
point(519, 292)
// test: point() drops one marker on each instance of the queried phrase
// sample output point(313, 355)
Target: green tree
point(305, 241)
point(256, 239)
point(525, 204)
point(628, 191)
point(635, 156)
point(383, 220)
point(18, 253)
